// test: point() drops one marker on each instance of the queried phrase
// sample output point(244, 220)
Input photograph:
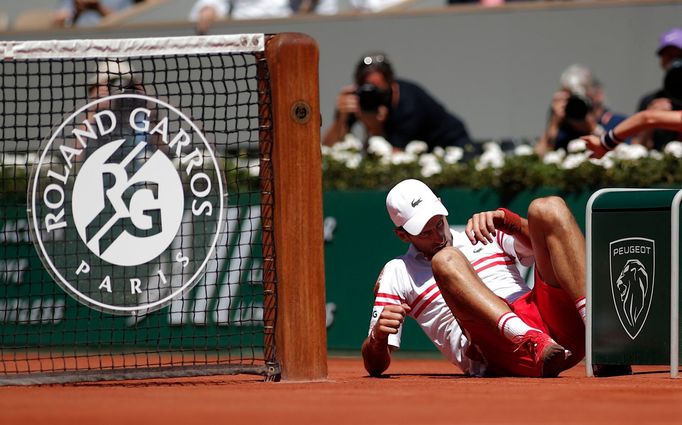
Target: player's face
point(434, 237)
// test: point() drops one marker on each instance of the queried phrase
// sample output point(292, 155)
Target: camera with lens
point(577, 107)
point(672, 84)
point(371, 97)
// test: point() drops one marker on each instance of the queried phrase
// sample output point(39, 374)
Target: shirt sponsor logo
point(632, 268)
point(127, 201)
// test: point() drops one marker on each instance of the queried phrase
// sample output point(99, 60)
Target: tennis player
point(643, 120)
point(466, 292)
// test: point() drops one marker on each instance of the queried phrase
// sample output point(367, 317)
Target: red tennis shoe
point(547, 353)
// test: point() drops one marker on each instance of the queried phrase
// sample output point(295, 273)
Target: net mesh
point(135, 226)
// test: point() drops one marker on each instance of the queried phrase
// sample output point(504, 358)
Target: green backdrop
point(358, 241)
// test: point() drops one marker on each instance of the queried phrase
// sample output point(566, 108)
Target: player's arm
point(481, 227)
point(376, 352)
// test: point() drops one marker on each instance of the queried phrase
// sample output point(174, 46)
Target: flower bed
point(346, 167)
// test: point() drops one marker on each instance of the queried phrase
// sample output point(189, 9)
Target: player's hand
point(594, 144)
point(390, 320)
point(481, 227)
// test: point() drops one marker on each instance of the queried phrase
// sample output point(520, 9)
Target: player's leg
point(559, 248)
point(558, 245)
point(560, 261)
point(492, 326)
point(463, 291)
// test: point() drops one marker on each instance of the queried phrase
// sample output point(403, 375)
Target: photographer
point(669, 53)
point(87, 12)
point(398, 110)
point(577, 109)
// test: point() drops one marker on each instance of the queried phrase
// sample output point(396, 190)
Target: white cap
point(411, 204)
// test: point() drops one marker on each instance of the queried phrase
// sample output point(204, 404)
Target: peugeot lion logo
point(127, 202)
point(632, 263)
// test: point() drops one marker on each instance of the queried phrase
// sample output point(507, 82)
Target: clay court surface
point(418, 391)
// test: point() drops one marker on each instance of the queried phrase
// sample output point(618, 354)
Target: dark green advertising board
point(224, 309)
point(630, 237)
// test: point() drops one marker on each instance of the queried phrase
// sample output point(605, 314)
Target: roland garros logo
point(127, 202)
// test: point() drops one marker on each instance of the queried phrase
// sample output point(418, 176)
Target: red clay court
point(418, 391)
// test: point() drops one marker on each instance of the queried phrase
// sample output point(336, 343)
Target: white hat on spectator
point(577, 79)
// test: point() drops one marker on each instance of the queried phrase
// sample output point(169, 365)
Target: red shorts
point(546, 308)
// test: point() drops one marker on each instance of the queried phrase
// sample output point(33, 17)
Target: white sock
point(581, 306)
point(512, 327)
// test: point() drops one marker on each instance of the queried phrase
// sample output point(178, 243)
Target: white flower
point(605, 161)
point(491, 147)
point(254, 167)
point(427, 158)
point(674, 148)
point(439, 151)
point(523, 150)
point(554, 157)
point(431, 168)
point(326, 150)
point(490, 158)
point(630, 152)
point(574, 160)
point(350, 142)
point(18, 160)
point(350, 159)
point(402, 158)
point(453, 154)
point(379, 146)
point(430, 164)
point(353, 160)
point(576, 145)
point(656, 155)
point(339, 155)
point(416, 147)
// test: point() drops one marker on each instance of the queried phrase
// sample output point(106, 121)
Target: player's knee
point(550, 210)
point(448, 261)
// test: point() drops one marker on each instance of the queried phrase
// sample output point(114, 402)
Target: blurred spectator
point(373, 5)
point(319, 7)
point(114, 77)
point(669, 49)
point(207, 12)
point(487, 3)
point(578, 108)
point(399, 110)
point(87, 12)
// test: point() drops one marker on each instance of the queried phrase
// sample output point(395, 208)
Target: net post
point(300, 333)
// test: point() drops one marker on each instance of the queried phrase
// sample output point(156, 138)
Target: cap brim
point(415, 225)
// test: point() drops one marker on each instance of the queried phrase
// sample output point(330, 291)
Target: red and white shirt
point(409, 279)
